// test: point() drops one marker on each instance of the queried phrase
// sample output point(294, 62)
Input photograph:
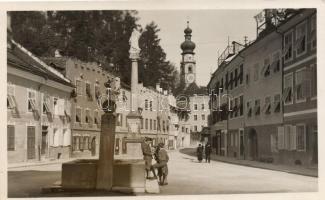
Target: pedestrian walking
point(207, 152)
point(199, 152)
point(161, 165)
point(147, 155)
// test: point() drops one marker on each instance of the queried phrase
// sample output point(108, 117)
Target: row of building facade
point(54, 107)
point(264, 94)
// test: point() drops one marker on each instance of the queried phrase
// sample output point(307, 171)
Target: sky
point(211, 29)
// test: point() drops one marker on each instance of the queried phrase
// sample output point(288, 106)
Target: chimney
point(158, 87)
point(57, 54)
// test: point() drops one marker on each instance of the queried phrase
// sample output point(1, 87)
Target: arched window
point(190, 69)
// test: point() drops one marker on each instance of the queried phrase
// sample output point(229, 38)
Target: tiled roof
point(192, 89)
point(25, 60)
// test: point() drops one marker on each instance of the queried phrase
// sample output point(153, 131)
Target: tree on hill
point(101, 36)
point(153, 64)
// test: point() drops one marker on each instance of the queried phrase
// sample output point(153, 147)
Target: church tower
point(188, 64)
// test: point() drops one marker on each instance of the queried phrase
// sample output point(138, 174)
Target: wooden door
point(30, 142)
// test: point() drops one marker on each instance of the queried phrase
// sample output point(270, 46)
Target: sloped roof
point(58, 62)
point(193, 89)
point(21, 58)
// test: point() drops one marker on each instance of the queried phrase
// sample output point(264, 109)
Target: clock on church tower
point(188, 64)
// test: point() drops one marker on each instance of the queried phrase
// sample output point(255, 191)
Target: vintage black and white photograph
point(131, 102)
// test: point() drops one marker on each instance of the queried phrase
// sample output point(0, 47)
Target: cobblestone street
point(186, 176)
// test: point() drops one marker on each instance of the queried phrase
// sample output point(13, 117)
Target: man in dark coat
point(199, 152)
point(207, 152)
point(161, 165)
point(147, 155)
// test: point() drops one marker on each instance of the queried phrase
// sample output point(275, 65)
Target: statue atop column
point(134, 44)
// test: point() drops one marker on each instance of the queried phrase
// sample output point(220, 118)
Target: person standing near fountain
point(147, 155)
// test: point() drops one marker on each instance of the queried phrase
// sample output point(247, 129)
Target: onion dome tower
point(188, 68)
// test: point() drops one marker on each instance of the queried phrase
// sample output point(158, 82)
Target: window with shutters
point(257, 108)
point(46, 104)
point(236, 107)
point(146, 124)
point(241, 105)
point(150, 105)
point(10, 137)
point(31, 100)
point(150, 123)
point(141, 122)
point(302, 85)
point(241, 74)
point(274, 143)
point(267, 105)
point(266, 68)
point(301, 137)
point(81, 143)
point(277, 103)
point(226, 81)
point(287, 135)
point(195, 107)
point(287, 51)
point(88, 118)
point(247, 77)
point(85, 142)
point(195, 117)
point(236, 78)
point(203, 117)
point(281, 144)
point(231, 80)
point(301, 40)
point(154, 124)
point(96, 121)
point(78, 115)
point(249, 108)
point(79, 87)
point(290, 137)
point(75, 143)
point(146, 105)
point(313, 32)
point(202, 106)
point(11, 102)
point(276, 62)
point(288, 87)
point(231, 108)
point(195, 128)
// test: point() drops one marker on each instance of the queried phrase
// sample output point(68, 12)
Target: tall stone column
point(133, 141)
point(134, 83)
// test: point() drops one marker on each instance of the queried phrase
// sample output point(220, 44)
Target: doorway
point(93, 146)
point(30, 142)
point(44, 145)
point(253, 152)
point(315, 146)
point(241, 144)
point(218, 143)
